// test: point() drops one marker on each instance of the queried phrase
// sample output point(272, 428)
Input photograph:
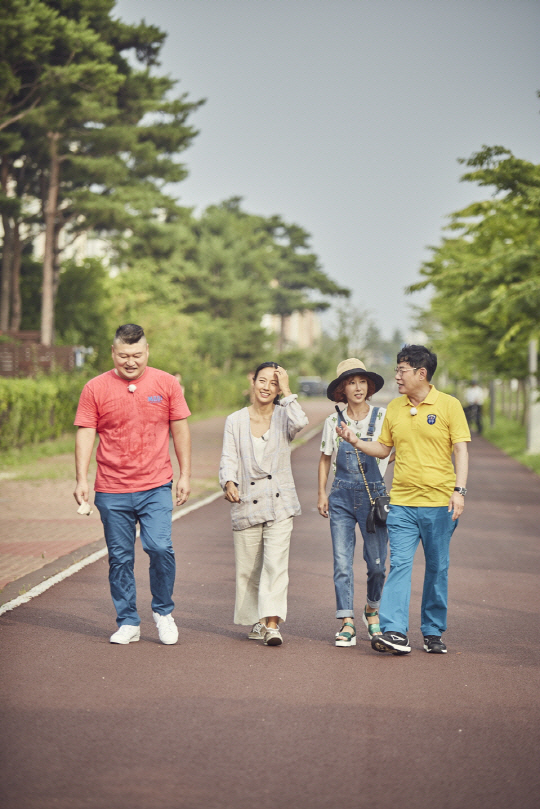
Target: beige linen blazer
point(267, 491)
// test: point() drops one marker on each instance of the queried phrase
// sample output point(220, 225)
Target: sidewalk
point(41, 533)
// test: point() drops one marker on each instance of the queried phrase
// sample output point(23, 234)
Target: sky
point(347, 117)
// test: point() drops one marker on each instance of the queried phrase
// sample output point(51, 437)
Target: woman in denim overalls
point(349, 503)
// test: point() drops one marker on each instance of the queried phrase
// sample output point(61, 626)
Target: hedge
point(34, 410)
point(212, 389)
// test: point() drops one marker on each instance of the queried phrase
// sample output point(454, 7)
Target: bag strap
point(371, 500)
point(370, 431)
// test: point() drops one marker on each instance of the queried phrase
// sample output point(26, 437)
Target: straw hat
point(352, 367)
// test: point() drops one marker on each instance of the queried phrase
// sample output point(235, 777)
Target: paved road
point(220, 722)
point(40, 531)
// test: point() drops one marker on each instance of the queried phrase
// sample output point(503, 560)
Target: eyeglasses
point(401, 371)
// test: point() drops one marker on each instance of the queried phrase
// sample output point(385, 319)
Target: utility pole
point(533, 427)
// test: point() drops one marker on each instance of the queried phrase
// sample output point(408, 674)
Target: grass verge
point(14, 458)
point(22, 463)
point(511, 437)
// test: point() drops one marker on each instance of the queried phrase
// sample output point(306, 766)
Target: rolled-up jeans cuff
point(373, 604)
point(345, 614)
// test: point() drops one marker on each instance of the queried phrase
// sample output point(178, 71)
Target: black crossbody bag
point(379, 505)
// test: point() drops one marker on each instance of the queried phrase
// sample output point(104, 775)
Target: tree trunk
point(492, 403)
point(56, 258)
point(16, 302)
point(523, 389)
point(7, 253)
point(511, 400)
point(533, 426)
point(47, 294)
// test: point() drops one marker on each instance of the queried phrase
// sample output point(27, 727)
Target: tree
point(112, 135)
point(28, 32)
point(28, 29)
point(298, 274)
point(220, 270)
point(486, 276)
point(84, 311)
point(83, 94)
point(355, 333)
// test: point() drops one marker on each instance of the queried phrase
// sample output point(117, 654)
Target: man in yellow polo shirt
point(427, 497)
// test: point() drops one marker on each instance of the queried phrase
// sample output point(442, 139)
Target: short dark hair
point(264, 365)
point(419, 357)
point(339, 393)
point(260, 368)
point(129, 333)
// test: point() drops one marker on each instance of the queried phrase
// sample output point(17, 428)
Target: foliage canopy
point(486, 273)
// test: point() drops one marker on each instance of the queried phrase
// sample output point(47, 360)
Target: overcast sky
point(348, 116)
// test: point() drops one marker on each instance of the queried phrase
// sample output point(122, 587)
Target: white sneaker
point(126, 634)
point(167, 629)
point(258, 631)
point(273, 637)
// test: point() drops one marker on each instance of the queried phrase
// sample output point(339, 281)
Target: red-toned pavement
point(40, 531)
point(220, 722)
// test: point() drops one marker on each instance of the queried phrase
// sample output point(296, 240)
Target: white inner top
point(259, 445)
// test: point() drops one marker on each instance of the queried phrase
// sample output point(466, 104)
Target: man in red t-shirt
point(132, 408)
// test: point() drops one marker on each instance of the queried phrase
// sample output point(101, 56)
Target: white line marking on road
point(195, 506)
point(94, 557)
point(40, 588)
point(88, 560)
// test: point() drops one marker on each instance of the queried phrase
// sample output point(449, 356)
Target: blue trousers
point(407, 526)
point(119, 515)
point(349, 506)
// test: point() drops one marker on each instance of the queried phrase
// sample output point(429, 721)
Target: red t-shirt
point(133, 428)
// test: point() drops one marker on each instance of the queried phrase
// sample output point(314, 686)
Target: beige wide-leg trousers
point(262, 571)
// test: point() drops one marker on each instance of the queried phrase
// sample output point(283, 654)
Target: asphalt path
point(220, 722)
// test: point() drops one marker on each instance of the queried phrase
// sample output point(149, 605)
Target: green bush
point(213, 389)
point(33, 410)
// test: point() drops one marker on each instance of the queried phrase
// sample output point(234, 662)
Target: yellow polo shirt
point(424, 474)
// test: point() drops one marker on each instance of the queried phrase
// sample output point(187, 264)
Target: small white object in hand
point(132, 388)
point(84, 508)
point(413, 411)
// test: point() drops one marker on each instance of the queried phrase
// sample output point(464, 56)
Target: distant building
point(84, 245)
point(299, 330)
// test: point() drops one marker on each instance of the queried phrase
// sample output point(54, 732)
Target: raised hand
point(347, 434)
point(283, 381)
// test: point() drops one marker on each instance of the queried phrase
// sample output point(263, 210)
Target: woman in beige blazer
point(255, 474)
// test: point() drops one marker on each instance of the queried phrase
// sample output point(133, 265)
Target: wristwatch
point(461, 490)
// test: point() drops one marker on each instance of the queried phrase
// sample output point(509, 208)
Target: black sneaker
point(434, 644)
point(393, 642)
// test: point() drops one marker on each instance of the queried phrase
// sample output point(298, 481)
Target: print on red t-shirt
point(133, 428)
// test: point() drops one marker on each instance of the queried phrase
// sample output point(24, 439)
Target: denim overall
point(349, 504)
